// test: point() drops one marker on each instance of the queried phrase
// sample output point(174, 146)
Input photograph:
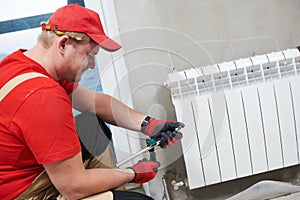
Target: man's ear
point(63, 40)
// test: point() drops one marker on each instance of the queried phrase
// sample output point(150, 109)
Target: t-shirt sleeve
point(68, 86)
point(48, 126)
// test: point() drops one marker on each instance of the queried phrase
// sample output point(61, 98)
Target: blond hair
point(47, 37)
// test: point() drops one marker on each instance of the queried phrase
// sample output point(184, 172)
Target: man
point(38, 138)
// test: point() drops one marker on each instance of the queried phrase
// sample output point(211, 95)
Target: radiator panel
point(242, 117)
point(206, 140)
point(286, 122)
point(190, 145)
point(270, 126)
point(239, 133)
point(255, 129)
point(295, 92)
point(222, 136)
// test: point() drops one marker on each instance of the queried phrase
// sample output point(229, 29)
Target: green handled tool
point(151, 143)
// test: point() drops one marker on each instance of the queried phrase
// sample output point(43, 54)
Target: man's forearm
point(73, 181)
point(99, 180)
point(107, 108)
point(116, 113)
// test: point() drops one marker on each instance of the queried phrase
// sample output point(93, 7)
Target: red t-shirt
point(36, 125)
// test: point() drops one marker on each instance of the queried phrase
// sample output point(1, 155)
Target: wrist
point(145, 123)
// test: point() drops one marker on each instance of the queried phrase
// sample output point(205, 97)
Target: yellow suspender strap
point(11, 84)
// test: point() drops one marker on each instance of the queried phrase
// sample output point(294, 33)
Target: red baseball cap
point(75, 18)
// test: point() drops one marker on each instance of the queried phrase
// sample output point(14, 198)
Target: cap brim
point(105, 42)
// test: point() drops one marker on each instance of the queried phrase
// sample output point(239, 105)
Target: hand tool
point(151, 143)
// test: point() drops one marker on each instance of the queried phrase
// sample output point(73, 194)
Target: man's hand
point(163, 131)
point(144, 171)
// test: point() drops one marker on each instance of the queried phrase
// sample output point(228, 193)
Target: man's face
point(77, 59)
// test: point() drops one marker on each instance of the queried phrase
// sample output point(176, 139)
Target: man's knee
point(128, 195)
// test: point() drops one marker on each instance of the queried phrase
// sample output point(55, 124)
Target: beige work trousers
point(42, 188)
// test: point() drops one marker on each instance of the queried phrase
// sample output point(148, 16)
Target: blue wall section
point(23, 23)
point(29, 22)
point(80, 2)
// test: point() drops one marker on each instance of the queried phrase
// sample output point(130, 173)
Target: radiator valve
point(176, 185)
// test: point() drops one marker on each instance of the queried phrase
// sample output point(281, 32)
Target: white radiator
point(242, 117)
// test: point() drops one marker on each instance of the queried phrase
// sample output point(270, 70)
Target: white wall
point(114, 78)
point(159, 37)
